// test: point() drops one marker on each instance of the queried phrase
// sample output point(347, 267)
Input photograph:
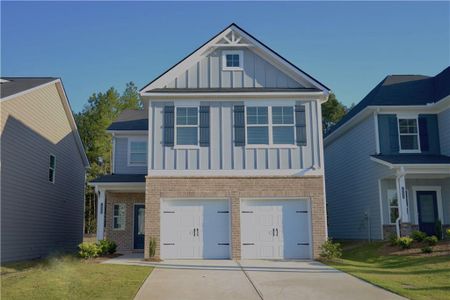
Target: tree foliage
point(332, 112)
point(100, 111)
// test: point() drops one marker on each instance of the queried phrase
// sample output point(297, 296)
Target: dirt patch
point(441, 249)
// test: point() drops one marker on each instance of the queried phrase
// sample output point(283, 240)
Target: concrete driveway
point(252, 279)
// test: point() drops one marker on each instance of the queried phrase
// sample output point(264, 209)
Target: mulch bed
point(441, 249)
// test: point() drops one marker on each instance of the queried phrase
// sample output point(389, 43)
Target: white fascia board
point(222, 95)
point(235, 173)
point(416, 168)
point(11, 97)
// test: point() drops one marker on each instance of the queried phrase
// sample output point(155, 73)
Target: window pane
point(138, 146)
point(138, 158)
point(229, 60)
point(187, 136)
point(257, 115)
point(181, 116)
point(52, 161)
point(192, 116)
point(141, 222)
point(119, 216)
point(51, 175)
point(258, 135)
point(409, 142)
point(393, 214)
point(408, 125)
point(282, 115)
point(283, 135)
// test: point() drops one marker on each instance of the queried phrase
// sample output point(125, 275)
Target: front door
point(427, 211)
point(139, 224)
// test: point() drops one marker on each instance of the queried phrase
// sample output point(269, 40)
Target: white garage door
point(275, 229)
point(197, 228)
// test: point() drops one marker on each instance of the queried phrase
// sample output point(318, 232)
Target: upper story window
point(52, 168)
point(137, 149)
point(408, 134)
point(232, 60)
point(187, 126)
point(270, 125)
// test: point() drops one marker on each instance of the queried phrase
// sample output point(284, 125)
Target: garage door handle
point(273, 231)
point(248, 244)
point(277, 231)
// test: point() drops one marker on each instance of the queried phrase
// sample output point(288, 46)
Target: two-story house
point(225, 161)
point(388, 160)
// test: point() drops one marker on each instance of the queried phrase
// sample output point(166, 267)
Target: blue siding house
point(388, 160)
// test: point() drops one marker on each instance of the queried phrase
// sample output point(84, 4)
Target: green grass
point(414, 277)
point(68, 277)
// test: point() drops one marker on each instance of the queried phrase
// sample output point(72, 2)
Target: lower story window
point(119, 216)
point(393, 205)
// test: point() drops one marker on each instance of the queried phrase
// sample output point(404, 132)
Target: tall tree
point(332, 112)
point(130, 98)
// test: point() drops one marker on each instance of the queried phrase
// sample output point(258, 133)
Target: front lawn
point(410, 274)
point(68, 277)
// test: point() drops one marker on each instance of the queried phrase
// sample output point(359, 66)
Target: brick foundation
point(123, 238)
point(234, 188)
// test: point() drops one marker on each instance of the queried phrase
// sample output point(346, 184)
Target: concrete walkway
point(251, 279)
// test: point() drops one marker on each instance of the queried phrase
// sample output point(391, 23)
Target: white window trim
point(408, 117)
point(224, 60)
point(50, 168)
point(175, 140)
point(124, 217)
point(135, 139)
point(270, 125)
point(390, 206)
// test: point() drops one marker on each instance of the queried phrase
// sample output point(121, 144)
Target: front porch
point(415, 196)
point(121, 211)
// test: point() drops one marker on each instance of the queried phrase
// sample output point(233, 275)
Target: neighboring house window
point(119, 216)
point(409, 135)
point(186, 126)
point(232, 60)
point(393, 205)
point(270, 125)
point(257, 125)
point(52, 168)
point(137, 152)
point(283, 124)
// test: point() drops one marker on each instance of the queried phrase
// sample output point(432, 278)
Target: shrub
point(418, 235)
point(431, 240)
point(426, 249)
point(438, 227)
point(88, 250)
point(107, 247)
point(152, 247)
point(405, 242)
point(448, 233)
point(330, 250)
point(393, 240)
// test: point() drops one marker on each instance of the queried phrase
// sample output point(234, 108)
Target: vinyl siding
point(38, 217)
point(257, 72)
point(121, 158)
point(351, 179)
point(222, 154)
point(444, 131)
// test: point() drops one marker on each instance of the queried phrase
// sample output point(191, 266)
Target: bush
point(152, 247)
point(431, 240)
point(418, 235)
point(448, 233)
point(330, 250)
point(426, 249)
point(106, 247)
point(393, 240)
point(88, 250)
point(405, 242)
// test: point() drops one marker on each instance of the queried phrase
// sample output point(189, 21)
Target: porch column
point(401, 195)
point(100, 213)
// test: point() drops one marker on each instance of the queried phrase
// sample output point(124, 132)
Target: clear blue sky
point(349, 46)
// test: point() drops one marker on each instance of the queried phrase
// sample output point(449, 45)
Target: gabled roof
point(130, 119)
point(13, 85)
point(402, 90)
point(186, 62)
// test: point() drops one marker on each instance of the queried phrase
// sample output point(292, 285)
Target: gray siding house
point(388, 160)
point(225, 161)
point(42, 170)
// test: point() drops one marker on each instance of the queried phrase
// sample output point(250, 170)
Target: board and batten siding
point(39, 217)
point(222, 154)
point(352, 183)
point(257, 72)
point(444, 131)
point(121, 157)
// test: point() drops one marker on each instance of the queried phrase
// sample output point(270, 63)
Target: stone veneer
point(234, 188)
point(123, 238)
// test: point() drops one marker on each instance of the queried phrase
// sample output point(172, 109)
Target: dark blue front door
point(427, 211)
point(139, 215)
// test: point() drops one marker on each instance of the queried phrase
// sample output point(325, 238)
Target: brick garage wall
point(123, 238)
point(234, 188)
